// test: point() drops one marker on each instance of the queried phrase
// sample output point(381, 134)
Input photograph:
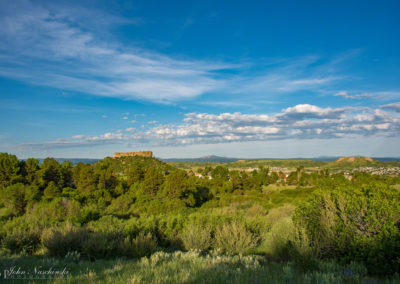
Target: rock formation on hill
point(148, 154)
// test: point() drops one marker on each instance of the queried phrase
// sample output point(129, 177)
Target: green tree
point(31, 168)
point(13, 198)
point(85, 179)
point(134, 174)
point(51, 191)
point(176, 183)
point(105, 176)
point(153, 179)
point(50, 171)
point(66, 175)
point(9, 170)
point(236, 180)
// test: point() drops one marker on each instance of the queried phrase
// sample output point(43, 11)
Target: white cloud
point(298, 122)
point(72, 48)
point(393, 107)
point(346, 95)
point(376, 95)
point(49, 46)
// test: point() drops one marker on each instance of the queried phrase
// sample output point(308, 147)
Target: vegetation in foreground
point(300, 225)
point(195, 267)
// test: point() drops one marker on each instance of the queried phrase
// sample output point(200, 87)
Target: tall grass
point(191, 267)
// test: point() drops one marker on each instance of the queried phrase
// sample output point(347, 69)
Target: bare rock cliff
point(133, 154)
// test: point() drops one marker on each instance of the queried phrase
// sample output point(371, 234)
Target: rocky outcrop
point(148, 154)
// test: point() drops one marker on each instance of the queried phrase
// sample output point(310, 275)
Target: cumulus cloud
point(302, 121)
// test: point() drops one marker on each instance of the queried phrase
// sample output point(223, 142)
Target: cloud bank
point(302, 121)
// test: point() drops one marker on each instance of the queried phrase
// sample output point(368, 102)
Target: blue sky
point(192, 78)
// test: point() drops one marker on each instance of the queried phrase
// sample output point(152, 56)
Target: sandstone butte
point(133, 154)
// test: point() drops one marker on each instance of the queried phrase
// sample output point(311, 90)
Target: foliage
point(22, 241)
point(59, 242)
point(235, 238)
point(142, 245)
point(197, 237)
point(355, 224)
point(10, 170)
point(102, 245)
point(133, 206)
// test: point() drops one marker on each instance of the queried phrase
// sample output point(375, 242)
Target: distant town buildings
point(395, 171)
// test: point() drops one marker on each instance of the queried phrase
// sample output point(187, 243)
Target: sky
point(248, 79)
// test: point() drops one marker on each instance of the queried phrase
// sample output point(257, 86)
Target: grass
point(191, 267)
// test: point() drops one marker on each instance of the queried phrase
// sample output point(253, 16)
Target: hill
point(355, 161)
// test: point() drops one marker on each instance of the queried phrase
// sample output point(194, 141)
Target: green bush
point(22, 241)
point(359, 223)
point(60, 242)
point(233, 238)
point(143, 245)
point(88, 213)
point(100, 245)
point(279, 240)
point(197, 237)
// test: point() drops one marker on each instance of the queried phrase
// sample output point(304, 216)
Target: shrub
point(102, 245)
point(88, 213)
point(197, 237)
point(142, 245)
point(234, 238)
point(359, 223)
point(280, 239)
point(14, 199)
point(59, 242)
point(23, 241)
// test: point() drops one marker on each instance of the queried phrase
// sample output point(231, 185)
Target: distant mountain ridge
point(219, 159)
point(205, 159)
point(72, 160)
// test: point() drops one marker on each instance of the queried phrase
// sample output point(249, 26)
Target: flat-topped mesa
point(148, 154)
